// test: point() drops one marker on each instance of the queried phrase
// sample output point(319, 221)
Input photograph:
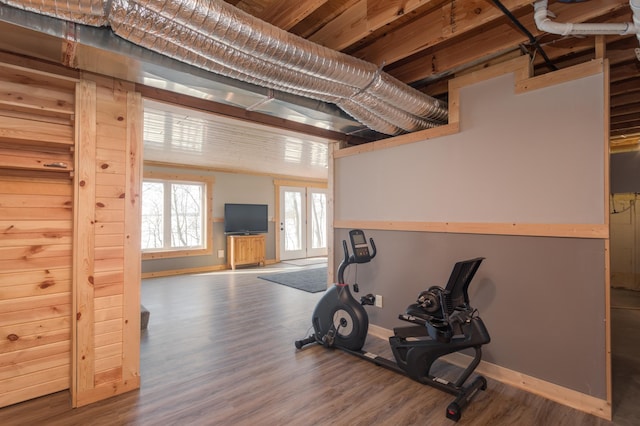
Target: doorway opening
point(302, 222)
point(624, 240)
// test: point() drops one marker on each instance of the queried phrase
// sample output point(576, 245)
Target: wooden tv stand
point(245, 250)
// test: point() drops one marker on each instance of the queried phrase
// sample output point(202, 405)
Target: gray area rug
point(312, 280)
point(306, 262)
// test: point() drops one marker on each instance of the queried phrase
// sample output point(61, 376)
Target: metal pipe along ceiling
point(218, 37)
point(565, 28)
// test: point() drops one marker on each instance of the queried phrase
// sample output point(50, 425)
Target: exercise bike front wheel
point(343, 323)
point(351, 328)
point(339, 320)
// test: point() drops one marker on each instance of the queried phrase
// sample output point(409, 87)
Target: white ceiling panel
point(184, 136)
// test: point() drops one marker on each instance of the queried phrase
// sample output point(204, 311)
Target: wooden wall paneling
point(105, 279)
point(132, 248)
point(36, 128)
point(109, 228)
point(34, 186)
point(111, 136)
point(22, 130)
point(20, 97)
point(52, 161)
point(115, 246)
point(35, 283)
point(36, 78)
point(84, 235)
point(50, 97)
point(36, 120)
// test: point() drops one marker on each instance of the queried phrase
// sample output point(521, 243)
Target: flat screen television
point(246, 219)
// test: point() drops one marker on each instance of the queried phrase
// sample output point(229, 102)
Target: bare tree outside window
point(186, 215)
point(318, 220)
point(173, 215)
point(152, 215)
point(293, 221)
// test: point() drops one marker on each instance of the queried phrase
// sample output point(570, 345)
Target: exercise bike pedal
point(300, 343)
point(328, 340)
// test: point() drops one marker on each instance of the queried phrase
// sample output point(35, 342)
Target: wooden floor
point(219, 351)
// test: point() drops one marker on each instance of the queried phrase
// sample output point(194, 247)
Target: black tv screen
point(245, 219)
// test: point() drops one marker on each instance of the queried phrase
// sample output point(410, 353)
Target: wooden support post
point(601, 47)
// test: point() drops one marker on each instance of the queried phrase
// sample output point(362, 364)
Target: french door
point(303, 222)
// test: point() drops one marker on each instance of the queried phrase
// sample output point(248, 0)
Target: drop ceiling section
point(183, 136)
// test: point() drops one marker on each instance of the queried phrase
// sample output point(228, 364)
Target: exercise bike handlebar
point(373, 248)
point(350, 259)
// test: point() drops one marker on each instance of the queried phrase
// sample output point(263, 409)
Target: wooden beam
point(282, 14)
point(286, 15)
point(627, 125)
point(242, 114)
point(626, 86)
point(625, 109)
point(363, 18)
point(433, 28)
point(626, 132)
point(601, 47)
point(625, 120)
point(624, 99)
point(619, 50)
point(326, 13)
point(492, 40)
point(624, 71)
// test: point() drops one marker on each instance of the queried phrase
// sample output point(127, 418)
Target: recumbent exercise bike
point(444, 322)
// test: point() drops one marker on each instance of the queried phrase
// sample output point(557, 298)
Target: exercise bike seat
point(435, 307)
point(435, 327)
point(416, 310)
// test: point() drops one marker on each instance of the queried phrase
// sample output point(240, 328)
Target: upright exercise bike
point(443, 323)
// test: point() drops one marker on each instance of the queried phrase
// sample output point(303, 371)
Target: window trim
point(208, 220)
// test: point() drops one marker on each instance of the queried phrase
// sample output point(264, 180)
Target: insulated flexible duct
point(88, 12)
point(213, 35)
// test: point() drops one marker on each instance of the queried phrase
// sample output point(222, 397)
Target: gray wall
point(228, 188)
point(531, 158)
point(625, 172)
point(535, 157)
point(542, 299)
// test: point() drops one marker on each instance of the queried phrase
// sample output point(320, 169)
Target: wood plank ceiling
point(178, 135)
point(426, 42)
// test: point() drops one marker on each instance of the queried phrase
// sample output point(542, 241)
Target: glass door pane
point(317, 238)
point(292, 223)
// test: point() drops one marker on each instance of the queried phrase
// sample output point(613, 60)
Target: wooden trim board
point(523, 229)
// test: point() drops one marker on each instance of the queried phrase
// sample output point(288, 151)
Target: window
point(175, 215)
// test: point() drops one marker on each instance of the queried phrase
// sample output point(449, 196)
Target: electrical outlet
point(378, 301)
point(220, 254)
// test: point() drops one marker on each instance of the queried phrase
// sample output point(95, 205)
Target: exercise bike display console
point(443, 322)
point(360, 247)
